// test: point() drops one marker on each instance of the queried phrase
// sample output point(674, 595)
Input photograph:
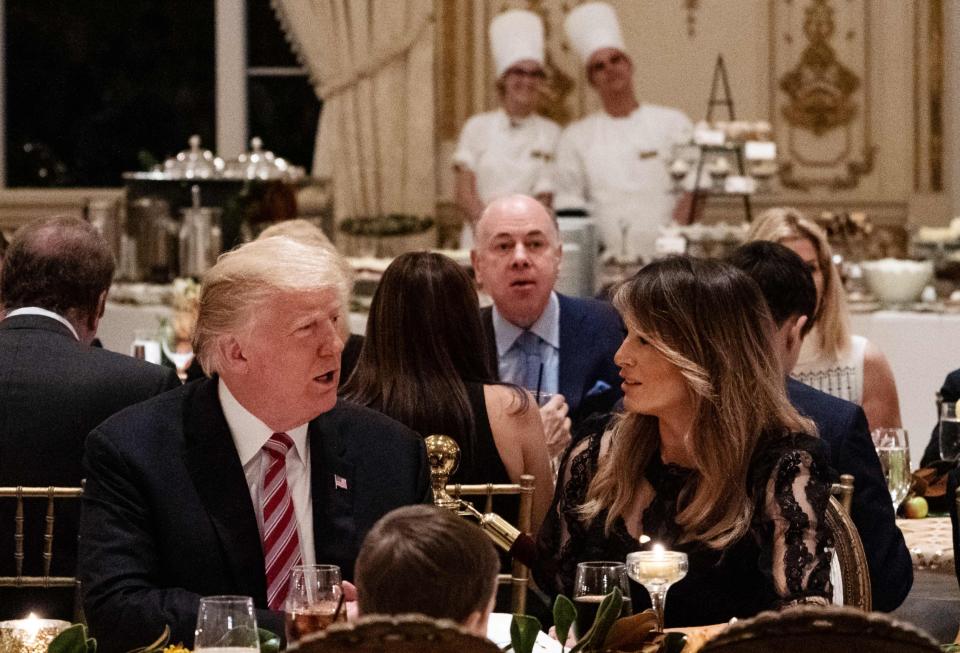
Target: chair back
point(412, 633)
point(831, 629)
point(519, 576)
point(848, 550)
point(51, 495)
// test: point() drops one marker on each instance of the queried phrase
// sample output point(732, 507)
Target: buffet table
point(922, 348)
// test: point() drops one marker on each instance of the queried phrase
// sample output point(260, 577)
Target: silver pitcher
point(149, 224)
point(200, 237)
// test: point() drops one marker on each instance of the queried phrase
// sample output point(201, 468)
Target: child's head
point(427, 560)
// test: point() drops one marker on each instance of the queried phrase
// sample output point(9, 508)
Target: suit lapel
point(332, 487)
point(214, 466)
point(573, 354)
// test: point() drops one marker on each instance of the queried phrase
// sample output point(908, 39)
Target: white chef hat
point(516, 35)
point(593, 26)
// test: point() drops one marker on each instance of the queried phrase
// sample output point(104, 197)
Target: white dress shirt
point(509, 359)
point(616, 168)
point(36, 310)
point(249, 436)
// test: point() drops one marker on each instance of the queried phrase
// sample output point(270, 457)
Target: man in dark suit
point(536, 337)
point(225, 485)
point(54, 388)
point(788, 287)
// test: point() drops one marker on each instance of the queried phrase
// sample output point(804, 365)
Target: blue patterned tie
point(531, 364)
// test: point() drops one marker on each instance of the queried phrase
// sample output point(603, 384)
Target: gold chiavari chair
point(848, 549)
point(20, 580)
point(519, 576)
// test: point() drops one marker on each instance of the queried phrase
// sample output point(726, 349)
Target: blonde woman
point(832, 359)
point(710, 458)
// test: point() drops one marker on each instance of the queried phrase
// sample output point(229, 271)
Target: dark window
point(94, 89)
point(282, 107)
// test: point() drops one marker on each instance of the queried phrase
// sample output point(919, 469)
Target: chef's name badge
point(545, 156)
point(648, 154)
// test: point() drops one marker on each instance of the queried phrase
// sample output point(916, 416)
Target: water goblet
point(657, 570)
point(893, 449)
point(949, 431)
point(593, 581)
point(314, 600)
point(226, 624)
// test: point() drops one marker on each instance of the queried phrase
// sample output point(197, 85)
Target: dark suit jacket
point(953, 479)
point(168, 518)
point(591, 331)
point(843, 427)
point(53, 391)
point(950, 391)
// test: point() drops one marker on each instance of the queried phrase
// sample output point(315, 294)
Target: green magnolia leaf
point(607, 613)
point(269, 642)
point(564, 615)
point(523, 632)
point(71, 640)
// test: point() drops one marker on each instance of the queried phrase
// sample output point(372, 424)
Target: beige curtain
point(371, 62)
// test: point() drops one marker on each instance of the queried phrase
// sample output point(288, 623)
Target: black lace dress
point(783, 558)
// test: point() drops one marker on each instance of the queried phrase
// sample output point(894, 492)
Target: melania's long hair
point(710, 320)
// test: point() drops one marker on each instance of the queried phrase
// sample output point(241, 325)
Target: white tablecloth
point(922, 348)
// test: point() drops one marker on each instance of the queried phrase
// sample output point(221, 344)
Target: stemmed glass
point(949, 431)
point(657, 570)
point(893, 449)
point(226, 624)
point(593, 581)
point(314, 601)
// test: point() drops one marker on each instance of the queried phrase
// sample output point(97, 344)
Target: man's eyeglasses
point(523, 72)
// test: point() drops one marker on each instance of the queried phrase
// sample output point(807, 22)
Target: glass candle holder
point(657, 570)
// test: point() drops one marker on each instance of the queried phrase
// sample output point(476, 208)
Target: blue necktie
point(531, 364)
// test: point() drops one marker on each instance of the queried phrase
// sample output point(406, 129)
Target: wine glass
point(657, 570)
point(949, 431)
point(893, 449)
point(593, 581)
point(314, 601)
point(226, 624)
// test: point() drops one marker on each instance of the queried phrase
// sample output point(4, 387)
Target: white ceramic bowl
point(897, 281)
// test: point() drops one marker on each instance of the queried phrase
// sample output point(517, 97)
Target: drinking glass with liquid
point(315, 600)
point(226, 624)
point(893, 449)
point(949, 431)
point(593, 581)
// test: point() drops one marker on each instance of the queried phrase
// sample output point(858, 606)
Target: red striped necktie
point(281, 544)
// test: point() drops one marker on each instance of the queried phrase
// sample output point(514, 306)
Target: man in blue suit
point(222, 486)
point(790, 293)
point(538, 338)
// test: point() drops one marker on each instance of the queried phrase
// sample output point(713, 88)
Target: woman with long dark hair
point(423, 363)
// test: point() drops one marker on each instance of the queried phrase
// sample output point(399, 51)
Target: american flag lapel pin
point(339, 482)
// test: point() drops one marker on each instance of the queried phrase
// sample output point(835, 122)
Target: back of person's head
point(60, 264)
point(235, 288)
point(424, 340)
point(427, 560)
point(783, 278)
point(709, 320)
point(782, 224)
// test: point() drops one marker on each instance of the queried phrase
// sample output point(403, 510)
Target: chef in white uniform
point(510, 150)
point(614, 163)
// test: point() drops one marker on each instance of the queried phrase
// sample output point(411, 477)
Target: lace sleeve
point(563, 531)
point(797, 543)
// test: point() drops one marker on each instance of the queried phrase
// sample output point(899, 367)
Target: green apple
point(915, 508)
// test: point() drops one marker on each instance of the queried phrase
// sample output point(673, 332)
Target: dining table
point(933, 603)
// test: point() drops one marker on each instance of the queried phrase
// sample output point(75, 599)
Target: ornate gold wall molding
point(820, 92)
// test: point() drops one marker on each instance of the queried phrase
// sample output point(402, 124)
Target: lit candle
point(29, 635)
point(657, 565)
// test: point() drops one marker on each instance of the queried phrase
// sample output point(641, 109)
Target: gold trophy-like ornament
point(443, 456)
